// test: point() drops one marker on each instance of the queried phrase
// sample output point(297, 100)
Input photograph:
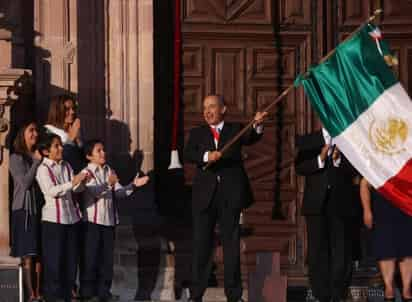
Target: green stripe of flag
point(348, 82)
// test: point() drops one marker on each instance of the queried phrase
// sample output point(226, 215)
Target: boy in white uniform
point(100, 215)
point(61, 219)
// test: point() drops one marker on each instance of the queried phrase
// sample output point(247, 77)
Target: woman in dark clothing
point(62, 120)
point(26, 207)
point(389, 244)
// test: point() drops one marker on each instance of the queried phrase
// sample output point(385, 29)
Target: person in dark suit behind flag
point(329, 205)
point(218, 195)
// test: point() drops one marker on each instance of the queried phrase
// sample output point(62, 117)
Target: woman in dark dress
point(389, 243)
point(26, 207)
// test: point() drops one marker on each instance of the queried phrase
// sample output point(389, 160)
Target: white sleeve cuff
point(258, 129)
point(67, 186)
point(321, 163)
point(337, 162)
point(206, 157)
point(69, 142)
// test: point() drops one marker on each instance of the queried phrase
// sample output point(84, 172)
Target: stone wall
point(100, 50)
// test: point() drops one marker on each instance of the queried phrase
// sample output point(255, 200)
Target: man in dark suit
point(218, 195)
point(329, 206)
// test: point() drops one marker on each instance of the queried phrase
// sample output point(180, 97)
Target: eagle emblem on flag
point(389, 136)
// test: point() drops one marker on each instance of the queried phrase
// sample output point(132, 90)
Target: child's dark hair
point(89, 146)
point(46, 140)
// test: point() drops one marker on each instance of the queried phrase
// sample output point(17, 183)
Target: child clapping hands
point(102, 192)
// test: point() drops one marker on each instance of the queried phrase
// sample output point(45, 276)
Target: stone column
point(130, 77)
point(55, 26)
point(146, 82)
point(5, 48)
point(12, 85)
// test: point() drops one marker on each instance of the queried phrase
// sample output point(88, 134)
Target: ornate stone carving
point(9, 10)
point(13, 83)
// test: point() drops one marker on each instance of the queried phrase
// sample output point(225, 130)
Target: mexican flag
point(367, 112)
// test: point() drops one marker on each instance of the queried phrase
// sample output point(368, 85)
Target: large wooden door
point(251, 50)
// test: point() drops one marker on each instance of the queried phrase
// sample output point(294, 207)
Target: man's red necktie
point(215, 133)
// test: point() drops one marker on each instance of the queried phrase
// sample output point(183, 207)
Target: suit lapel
point(224, 135)
point(209, 137)
point(321, 139)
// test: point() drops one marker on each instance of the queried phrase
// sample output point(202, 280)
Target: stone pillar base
point(8, 261)
point(11, 279)
point(144, 271)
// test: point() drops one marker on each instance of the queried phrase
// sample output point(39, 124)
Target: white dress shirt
point(218, 128)
point(98, 197)
point(55, 181)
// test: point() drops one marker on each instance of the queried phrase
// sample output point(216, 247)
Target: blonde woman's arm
point(365, 197)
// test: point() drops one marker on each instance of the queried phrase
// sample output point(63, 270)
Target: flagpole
point(370, 19)
point(290, 88)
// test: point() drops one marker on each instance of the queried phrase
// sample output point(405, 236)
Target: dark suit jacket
point(341, 192)
point(229, 168)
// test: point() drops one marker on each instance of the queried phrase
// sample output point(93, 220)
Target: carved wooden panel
point(408, 80)
point(397, 12)
point(204, 11)
point(227, 77)
point(295, 12)
point(193, 60)
point(401, 45)
point(265, 63)
point(227, 11)
point(354, 12)
point(249, 11)
point(262, 95)
point(193, 95)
